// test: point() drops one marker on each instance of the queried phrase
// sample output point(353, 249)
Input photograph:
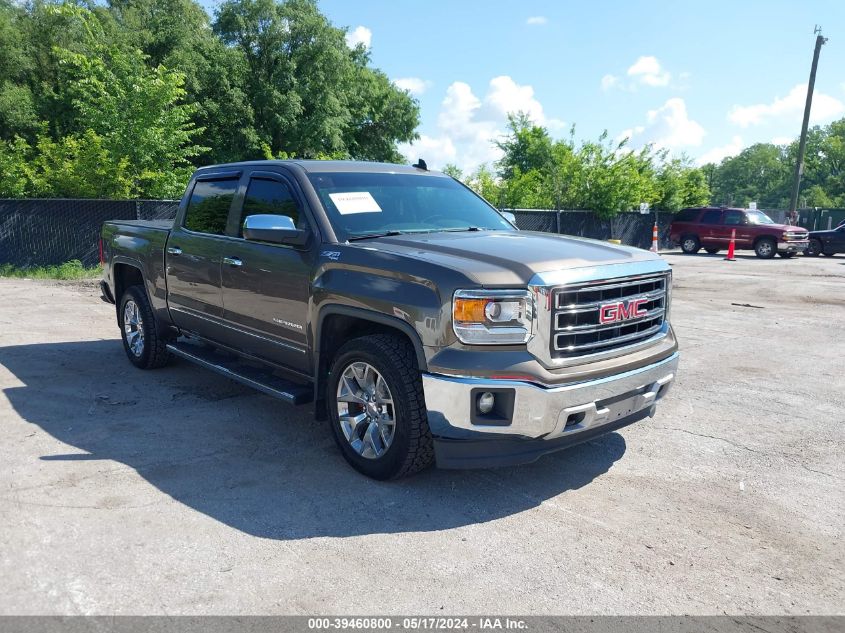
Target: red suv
point(710, 228)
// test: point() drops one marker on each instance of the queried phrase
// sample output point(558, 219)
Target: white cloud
point(782, 140)
point(414, 85)
point(789, 108)
point(467, 125)
point(359, 35)
point(717, 154)
point(537, 20)
point(608, 81)
point(648, 71)
point(667, 127)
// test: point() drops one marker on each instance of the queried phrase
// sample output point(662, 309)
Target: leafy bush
point(72, 269)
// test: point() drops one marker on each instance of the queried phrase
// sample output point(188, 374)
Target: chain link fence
point(48, 232)
point(633, 229)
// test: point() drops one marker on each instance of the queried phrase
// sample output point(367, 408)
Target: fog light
point(485, 402)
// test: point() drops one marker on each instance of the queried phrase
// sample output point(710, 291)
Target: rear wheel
point(766, 248)
point(814, 249)
point(690, 244)
point(378, 417)
point(828, 254)
point(145, 346)
point(712, 251)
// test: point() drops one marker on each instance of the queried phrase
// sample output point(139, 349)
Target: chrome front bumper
point(793, 246)
point(547, 413)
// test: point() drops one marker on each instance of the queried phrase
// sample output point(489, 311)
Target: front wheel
point(814, 249)
point(144, 344)
point(690, 245)
point(766, 248)
point(377, 407)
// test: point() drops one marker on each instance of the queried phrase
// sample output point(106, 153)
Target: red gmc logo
point(622, 311)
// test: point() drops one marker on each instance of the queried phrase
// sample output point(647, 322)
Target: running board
point(231, 367)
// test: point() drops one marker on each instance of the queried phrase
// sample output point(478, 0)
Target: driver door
point(266, 286)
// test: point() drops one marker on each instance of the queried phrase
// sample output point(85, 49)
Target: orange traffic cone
point(731, 246)
point(654, 240)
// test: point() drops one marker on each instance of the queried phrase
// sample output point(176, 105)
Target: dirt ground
point(179, 492)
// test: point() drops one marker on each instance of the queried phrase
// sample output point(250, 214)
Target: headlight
point(493, 317)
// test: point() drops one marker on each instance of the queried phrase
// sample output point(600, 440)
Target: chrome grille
point(576, 326)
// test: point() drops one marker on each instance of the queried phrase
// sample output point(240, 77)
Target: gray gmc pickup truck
point(406, 310)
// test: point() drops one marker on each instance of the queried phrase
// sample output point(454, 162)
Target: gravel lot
point(179, 492)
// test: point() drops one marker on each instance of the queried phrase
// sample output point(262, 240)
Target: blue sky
point(700, 78)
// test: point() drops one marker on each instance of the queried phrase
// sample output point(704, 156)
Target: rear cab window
point(208, 208)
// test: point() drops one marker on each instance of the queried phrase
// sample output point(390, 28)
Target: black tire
point(690, 244)
point(712, 251)
point(412, 447)
point(814, 249)
point(828, 254)
point(153, 350)
point(766, 248)
point(786, 255)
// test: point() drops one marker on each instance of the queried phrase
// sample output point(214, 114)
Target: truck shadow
point(244, 459)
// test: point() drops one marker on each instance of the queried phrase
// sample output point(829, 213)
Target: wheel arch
point(124, 275)
point(765, 236)
point(337, 324)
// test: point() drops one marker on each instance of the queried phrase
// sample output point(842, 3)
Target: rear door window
point(711, 217)
point(208, 208)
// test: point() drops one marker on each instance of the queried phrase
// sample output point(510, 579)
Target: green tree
point(79, 167)
point(177, 34)
point(15, 168)
point(483, 182)
point(310, 93)
point(759, 173)
point(137, 110)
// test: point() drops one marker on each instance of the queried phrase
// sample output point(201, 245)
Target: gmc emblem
point(622, 311)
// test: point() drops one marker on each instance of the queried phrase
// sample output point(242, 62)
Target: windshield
point(758, 217)
point(363, 204)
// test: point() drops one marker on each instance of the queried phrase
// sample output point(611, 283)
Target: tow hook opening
point(575, 418)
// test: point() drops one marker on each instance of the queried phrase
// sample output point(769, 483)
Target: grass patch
point(69, 270)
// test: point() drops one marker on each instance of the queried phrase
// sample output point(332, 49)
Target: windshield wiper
point(368, 236)
point(466, 228)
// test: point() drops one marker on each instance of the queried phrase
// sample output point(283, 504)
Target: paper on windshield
point(355, 202)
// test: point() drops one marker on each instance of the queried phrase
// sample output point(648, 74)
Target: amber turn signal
point(469, 310)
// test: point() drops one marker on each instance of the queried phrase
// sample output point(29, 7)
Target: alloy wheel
point(365, 410)
point(133, 327)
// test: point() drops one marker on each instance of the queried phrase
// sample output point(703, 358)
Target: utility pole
point(802, 144)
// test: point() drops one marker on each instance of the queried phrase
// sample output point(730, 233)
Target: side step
point(258, 378)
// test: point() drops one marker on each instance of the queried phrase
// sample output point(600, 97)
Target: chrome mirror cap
point(269, 222)
point(277, 229)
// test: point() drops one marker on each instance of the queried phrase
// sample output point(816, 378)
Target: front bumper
point(540, 419)
point(793, 246)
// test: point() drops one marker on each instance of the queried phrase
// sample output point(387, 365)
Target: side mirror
point(510, 217)
point(278, 229)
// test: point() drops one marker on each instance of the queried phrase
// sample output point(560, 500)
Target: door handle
point(232, 261)
point(174, 250)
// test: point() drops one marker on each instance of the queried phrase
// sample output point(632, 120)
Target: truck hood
point(505, 258)
point(782, 227)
